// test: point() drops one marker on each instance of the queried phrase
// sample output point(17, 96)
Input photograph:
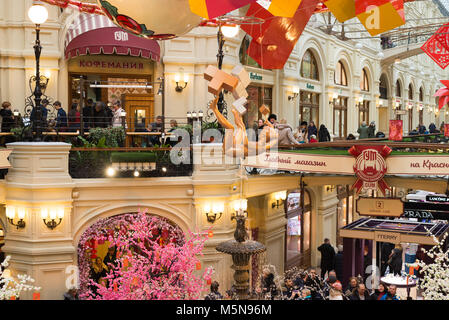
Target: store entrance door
point(139, 110)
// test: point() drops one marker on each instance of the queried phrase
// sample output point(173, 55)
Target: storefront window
point(383, 87)
point(364, 83)
point(421, 99)
point(340, 116)
point(298, 230)
point(309, 66)
point(245, 59)
point(340, 75)
point(364, 112)
point(398, 94)
point(345, 214)
point(309, 107)
point(257, 96)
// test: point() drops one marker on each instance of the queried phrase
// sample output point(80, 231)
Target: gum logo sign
point(370, 167)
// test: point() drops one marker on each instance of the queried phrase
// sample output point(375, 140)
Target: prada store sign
point(101, 64)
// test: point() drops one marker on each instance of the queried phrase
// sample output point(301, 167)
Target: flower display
point(435, 284)
point(155, 260)
point(10, 289)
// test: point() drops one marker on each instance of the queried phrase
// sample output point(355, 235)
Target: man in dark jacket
point(338, 264)
point(385, 252)
point(360, 293)
point(7, 117)
point(100, 115)
point(88, 114)
point(323, 134)
point(395, 261)
point(327, 257)
point(61, 118)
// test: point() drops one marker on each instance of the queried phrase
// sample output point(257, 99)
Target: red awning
point(112, 40)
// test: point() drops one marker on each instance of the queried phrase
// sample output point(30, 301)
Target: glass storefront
point(309, 107)
point(345, 209)
point(340, 116)
point(298, 230)
point(257, 96)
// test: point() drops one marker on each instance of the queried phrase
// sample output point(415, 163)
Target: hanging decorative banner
point(370, 167)
point(446, 129)
point(282, 8)
point(274, 40)
point(443, 94)
point(377, 16)
point(396, 130)
point(342, 9)
point(442, 36)
point(436, 51)
point(380, 15)
point(210, 9)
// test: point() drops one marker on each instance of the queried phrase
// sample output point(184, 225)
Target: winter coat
point(286, 134)
point(355, 296)
point(7, 120)
point(396, 261)
point(323, 134)
point(371, 131)
point(363, 131)
point(300, 136)
point(100, 119)
point(377, 295)
point(311, 130)
point(61, 119)
point(432, 128)
point(327, 256)
point(338, 265)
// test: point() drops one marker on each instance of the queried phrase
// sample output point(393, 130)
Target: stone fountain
point(241, 249)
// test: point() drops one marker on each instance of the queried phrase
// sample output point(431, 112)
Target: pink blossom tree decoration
point(155, 261)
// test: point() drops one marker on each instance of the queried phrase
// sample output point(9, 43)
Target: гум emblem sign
point(370, 167)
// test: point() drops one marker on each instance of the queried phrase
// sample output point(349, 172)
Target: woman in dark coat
point(7, 117)
point(323, 134)
point(100, 116)
point(395, 261)
point(311, 130)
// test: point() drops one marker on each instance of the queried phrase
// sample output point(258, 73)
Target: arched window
point(383, 87)
point(340, 75)
point(245, 59)
point(364, 83)
point(421, 94)
point(398, 89)
point(309, 66)
point(410, 92)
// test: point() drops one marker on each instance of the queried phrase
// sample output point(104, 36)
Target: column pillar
point(39, 178)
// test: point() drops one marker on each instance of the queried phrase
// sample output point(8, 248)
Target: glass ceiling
point(444, 6)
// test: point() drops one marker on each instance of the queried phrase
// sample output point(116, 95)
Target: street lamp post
point(229, 32)
point(38, 14)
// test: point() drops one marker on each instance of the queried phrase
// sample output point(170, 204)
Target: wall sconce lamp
point(280, 198)
point(333, 97)
point(240, 209)
point(359, 100)
point(11, 215)
point(212, 213)
point(50, 220)
point(184, 83)
point(295, 94)
point(330, 188)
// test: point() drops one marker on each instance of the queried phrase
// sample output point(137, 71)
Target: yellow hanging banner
point(282, 8)
point(380, 16)
point(342, 9)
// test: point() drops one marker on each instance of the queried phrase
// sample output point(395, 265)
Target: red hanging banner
point(396, 130)
point(436, 51)
point(442, 36)
point(274, 40)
